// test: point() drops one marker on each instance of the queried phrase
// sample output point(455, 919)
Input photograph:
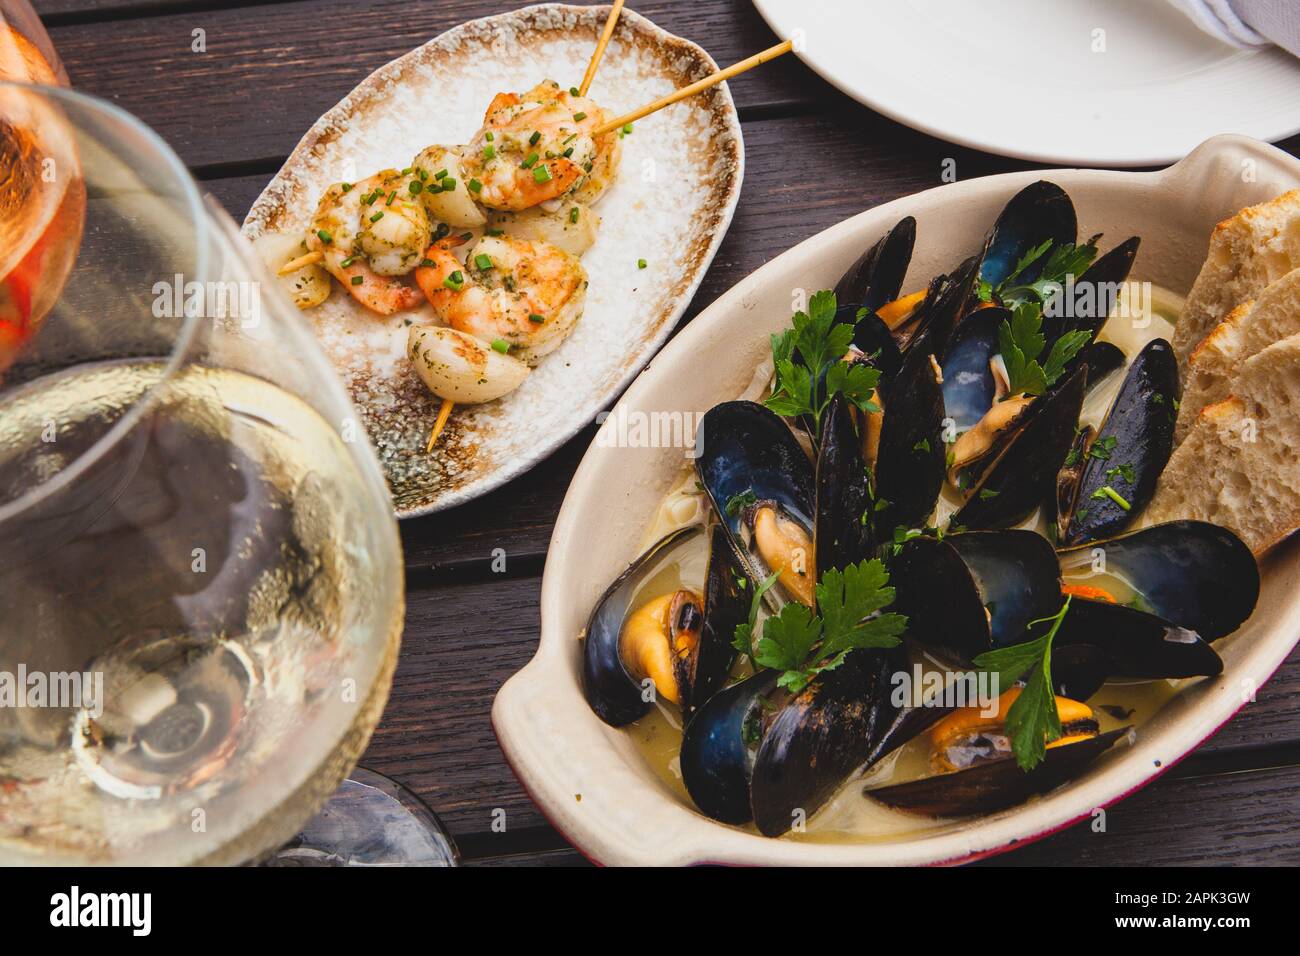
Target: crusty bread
point(1211, 369)
point(1239, 466)
point(1257, 246)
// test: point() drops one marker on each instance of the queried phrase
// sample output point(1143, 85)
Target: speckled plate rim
point(595, 788)
point(546, 445)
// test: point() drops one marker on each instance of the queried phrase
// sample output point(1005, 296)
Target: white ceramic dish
point(437, 94)
point(1025, 78)
point(590, 779)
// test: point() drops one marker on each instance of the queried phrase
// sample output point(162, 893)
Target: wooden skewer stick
point(605, 34)
point(443, 414)
point(610, 22)
point(293, 265)
point(711, 80)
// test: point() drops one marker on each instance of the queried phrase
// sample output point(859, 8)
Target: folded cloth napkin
point(1247, 23)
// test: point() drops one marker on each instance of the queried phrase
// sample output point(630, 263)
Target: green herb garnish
point(1021, 343)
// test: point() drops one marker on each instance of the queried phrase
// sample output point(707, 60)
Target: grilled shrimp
point(538, 146)
point(522, 297)
point(345, 231)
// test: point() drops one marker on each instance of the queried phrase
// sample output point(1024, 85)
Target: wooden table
point(814, 158)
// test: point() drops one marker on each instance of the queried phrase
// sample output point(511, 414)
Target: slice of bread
point(1211, 368)
point(1240, 464)
point(1257, 246)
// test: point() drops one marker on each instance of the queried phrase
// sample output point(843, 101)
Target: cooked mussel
point(876, 278)
point(674, 646)
point(1136, 645)
point(1194, 574)
point(844, 532)
point(909, 464)
point(1085, 303)
point(975, 770)
point(718, 748)
point(1040, 211)
point(1121, 465)
point(1022, 474)
point(761, 484)
point(969, 593)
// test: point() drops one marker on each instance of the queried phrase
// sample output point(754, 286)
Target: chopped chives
point(569, 139)
point(542, 174)
point(427, 263)
point(488, 136)
point(448, 184)
point(422, 173)
point(377, 216)
point(475, 186)
point(579, 117)
point(408, 170)
point(535, 138)
point(455, 281)
point(348, 261)
point(573, 91)
point(489, 152)
point(567, 153)
point(439, 174)
point(324, 236)
point(627, 129)
point(391, 197)
point(357, 280)
point(500, 345)
point(483, 261)
point(347, 187)
point(493, 232)
point(529, 161)
point(640, 263)
point(415, 186)
point(536, 319)
point(573, 214)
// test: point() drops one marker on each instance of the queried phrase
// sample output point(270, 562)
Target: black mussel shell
point(1102, 358)
point(1023, 476)
point(948, 299)
point(997, 785)
point(1195, 574)
point(745, 448)
point(610, 690)
point(1067, 480)
point(1087, 303)
point(717, 753)
point(1040, 211)
point(877, 277)
point(1079, 670)
point(821, 736)
point(910, 461)
point(968, 385)
point(1137, 645)
point(871, 337)
point(1131, 449)
point(973, 592)
point(842, 535)
point(726, 605)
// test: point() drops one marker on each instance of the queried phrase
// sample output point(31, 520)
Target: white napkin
point(1247, 23)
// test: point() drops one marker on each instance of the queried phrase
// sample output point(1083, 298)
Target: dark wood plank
point(270, 71)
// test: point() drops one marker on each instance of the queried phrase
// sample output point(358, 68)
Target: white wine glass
point(201, 585)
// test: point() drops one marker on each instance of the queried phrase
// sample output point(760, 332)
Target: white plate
point(592, 781)
point(671, 205)
point(1021, 78)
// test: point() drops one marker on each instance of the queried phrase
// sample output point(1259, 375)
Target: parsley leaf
point(1064, 260)
point(802, 645)
point(1032, 720)
point(809, 365)
point(1021, 343)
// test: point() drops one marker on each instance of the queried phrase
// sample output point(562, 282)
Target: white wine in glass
point(200, 577)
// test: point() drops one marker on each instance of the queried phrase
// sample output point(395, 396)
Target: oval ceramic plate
point(590, 779)
point(1051, 82)
point(438, 94)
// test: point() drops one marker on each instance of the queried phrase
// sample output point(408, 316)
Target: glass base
point(370, 821)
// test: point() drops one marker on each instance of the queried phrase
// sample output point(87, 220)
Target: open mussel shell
point(1102, 358)
point(1197, 575)
point(1138, 438)
point(618, 695)
point(1040, 211)
point(819, 737)
point(909, 465)
point(746, 451)
point(1137, 645)
point(1086, 303)
point(872, 337)
point(996, 785)
point(1023, 475)
point(947, 300)
point(718, 746)
point(876, 278)
point(844, 532)
point(972, 592)
point(969, 388)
